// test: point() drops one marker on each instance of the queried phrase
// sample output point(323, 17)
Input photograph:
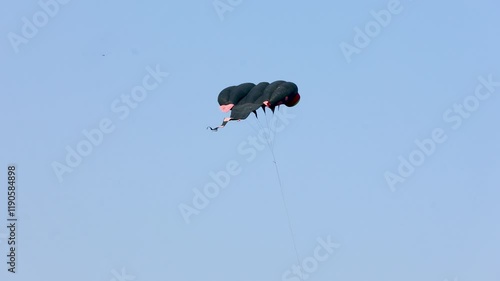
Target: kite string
point(270, 130)
point(292, 234)
point(270, 144)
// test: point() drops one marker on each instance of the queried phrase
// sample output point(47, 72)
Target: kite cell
point(246, 98)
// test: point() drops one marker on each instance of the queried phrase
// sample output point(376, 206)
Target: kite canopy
point(246, 98)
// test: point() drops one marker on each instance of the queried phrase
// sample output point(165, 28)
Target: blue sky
point(391, 154)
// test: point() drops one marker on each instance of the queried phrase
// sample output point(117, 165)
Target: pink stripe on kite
point(226, 107)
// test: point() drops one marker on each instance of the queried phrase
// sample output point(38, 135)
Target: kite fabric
point(246, 98)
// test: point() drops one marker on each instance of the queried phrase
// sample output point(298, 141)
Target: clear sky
point(389, 164)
